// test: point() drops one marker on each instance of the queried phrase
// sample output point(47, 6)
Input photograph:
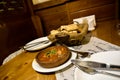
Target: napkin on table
point(90, 19)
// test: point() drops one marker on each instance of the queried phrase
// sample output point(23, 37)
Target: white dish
point(112, 57)
point(39, 46)
point(38, 68)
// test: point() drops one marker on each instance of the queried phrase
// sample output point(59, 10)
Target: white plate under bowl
point(39, 68)
point(39, 46)
point(112, 57)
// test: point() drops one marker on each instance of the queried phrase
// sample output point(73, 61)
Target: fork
point(93, 71)
point(36, 43)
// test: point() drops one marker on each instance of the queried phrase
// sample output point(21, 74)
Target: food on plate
point(53, 56)
point(71, 34)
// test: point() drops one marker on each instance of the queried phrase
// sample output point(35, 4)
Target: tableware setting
point(66, 33)
point(97, 65)
point(43, 43)
point(70, 35)
point(83, 52)
point(37, 44)
point(41, 69)
point(74, 55)
point(92, 71)
point(110, 70)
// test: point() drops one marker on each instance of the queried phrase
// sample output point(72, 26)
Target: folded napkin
point(90, 19)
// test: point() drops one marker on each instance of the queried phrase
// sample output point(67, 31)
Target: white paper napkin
point(91, 21)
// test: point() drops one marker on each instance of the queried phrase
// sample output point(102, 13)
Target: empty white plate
point(112, 57)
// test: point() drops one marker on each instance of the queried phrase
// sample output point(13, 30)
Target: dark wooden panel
point(49, 4)
point(102, 12)
point(18, 28)
point(54, 21)
point(53, 17)
point(53, 10)
point(14, 34)
point(85, 4)
point(20, 32)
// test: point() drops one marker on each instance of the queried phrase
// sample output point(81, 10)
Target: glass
point(118, 29)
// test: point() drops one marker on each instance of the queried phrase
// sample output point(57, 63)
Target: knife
point(97, 65)
point(35, 44)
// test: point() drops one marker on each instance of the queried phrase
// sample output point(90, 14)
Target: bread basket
point(70, 35)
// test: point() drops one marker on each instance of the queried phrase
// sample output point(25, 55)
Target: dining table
point(20, 67)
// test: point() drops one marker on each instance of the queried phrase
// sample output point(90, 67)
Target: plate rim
point(86, 59)
point(44, 38)
point(48, 70)
point(98, 53)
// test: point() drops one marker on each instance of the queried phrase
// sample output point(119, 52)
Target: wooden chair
point(35, 19)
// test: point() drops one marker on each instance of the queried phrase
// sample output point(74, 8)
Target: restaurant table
point(20, 67)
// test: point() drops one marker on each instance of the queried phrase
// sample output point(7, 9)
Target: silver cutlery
point(98, 65)
point(35, 44)
point(93, 71)
point(82, 54)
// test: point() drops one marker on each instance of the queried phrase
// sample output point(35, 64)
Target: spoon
point(93, 71)
point(83, 54)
